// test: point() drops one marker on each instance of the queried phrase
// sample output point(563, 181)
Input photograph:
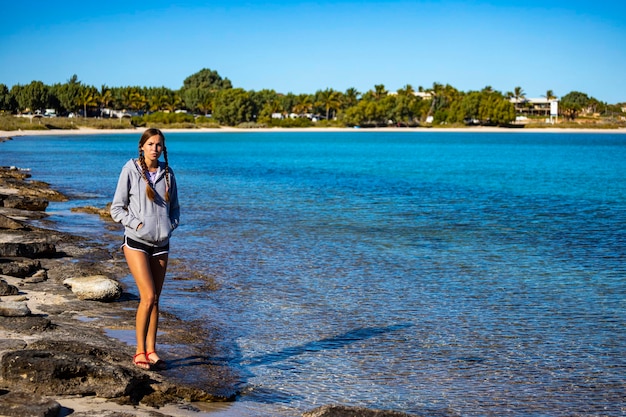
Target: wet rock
point(19, 267)
point(95, 288)
point(20, 404)
point(57, 372)
point(6, 289)
point(345, 411)
point(14, 309)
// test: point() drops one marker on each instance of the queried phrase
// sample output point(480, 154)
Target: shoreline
point(477, 129)
point(87, 344)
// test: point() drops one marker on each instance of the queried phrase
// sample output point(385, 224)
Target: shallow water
point(434, 273)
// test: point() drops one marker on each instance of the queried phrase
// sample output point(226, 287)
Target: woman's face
point(152, 149)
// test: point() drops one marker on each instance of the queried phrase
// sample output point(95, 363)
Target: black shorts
point(142, 247)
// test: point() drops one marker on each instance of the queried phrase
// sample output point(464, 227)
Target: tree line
point(207, 93)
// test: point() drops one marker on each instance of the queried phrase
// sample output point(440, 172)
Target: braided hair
point(144, 168)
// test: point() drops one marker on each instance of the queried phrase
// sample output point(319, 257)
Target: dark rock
point(21, 404)
point(53, 372)
point(6, 289)
point(28, 325)
point(27, 249)
point(345, 411)
point(19, 267)
point(24, 202)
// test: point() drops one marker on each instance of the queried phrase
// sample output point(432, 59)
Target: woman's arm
point(119, 206)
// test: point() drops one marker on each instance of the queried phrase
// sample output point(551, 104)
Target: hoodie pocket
point(155, 229)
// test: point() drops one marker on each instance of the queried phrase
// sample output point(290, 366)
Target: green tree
point(573, 103)
point(32, 97)
point(7, 101)
point(442, 98)
point(68, 94)
point(233, 106)
point(208, 79)
point(266, 102)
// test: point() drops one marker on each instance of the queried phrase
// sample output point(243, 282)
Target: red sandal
point(141, 364)
point(158, 364)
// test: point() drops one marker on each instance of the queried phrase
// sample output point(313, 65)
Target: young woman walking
point(146, 203)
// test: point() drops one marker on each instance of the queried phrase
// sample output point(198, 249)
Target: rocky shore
point(60, 303)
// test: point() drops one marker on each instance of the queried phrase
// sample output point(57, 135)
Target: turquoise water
point(474, 274)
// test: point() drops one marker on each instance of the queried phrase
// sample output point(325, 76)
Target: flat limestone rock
point(94, 287)
point(14, 309)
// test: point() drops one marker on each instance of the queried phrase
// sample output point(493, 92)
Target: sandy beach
point(138, 131)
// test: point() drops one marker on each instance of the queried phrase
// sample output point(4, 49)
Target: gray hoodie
point(131, 205)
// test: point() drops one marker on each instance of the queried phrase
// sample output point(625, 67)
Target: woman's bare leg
point(140, 268)
point(158, 266)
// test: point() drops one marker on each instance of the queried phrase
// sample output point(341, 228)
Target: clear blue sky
point(304, 46)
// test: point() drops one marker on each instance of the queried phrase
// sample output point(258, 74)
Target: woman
point(146, 203)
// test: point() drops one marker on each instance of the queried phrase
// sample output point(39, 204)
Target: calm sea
point(443, 274)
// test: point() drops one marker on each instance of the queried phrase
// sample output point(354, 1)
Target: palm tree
point(158, 102)
point(379, 92)
point(329, 99)
point(434, 92)
point(174, 103)
point(550, 95)
point(518, 94)
point(351, 97)
point(133, 99)
point(205, 105)
point(105, 98)
point(407, 91)
point(304, 103)
point(88, 97)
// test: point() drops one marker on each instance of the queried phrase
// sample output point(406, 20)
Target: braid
point(167, 175)
point(144, 169)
